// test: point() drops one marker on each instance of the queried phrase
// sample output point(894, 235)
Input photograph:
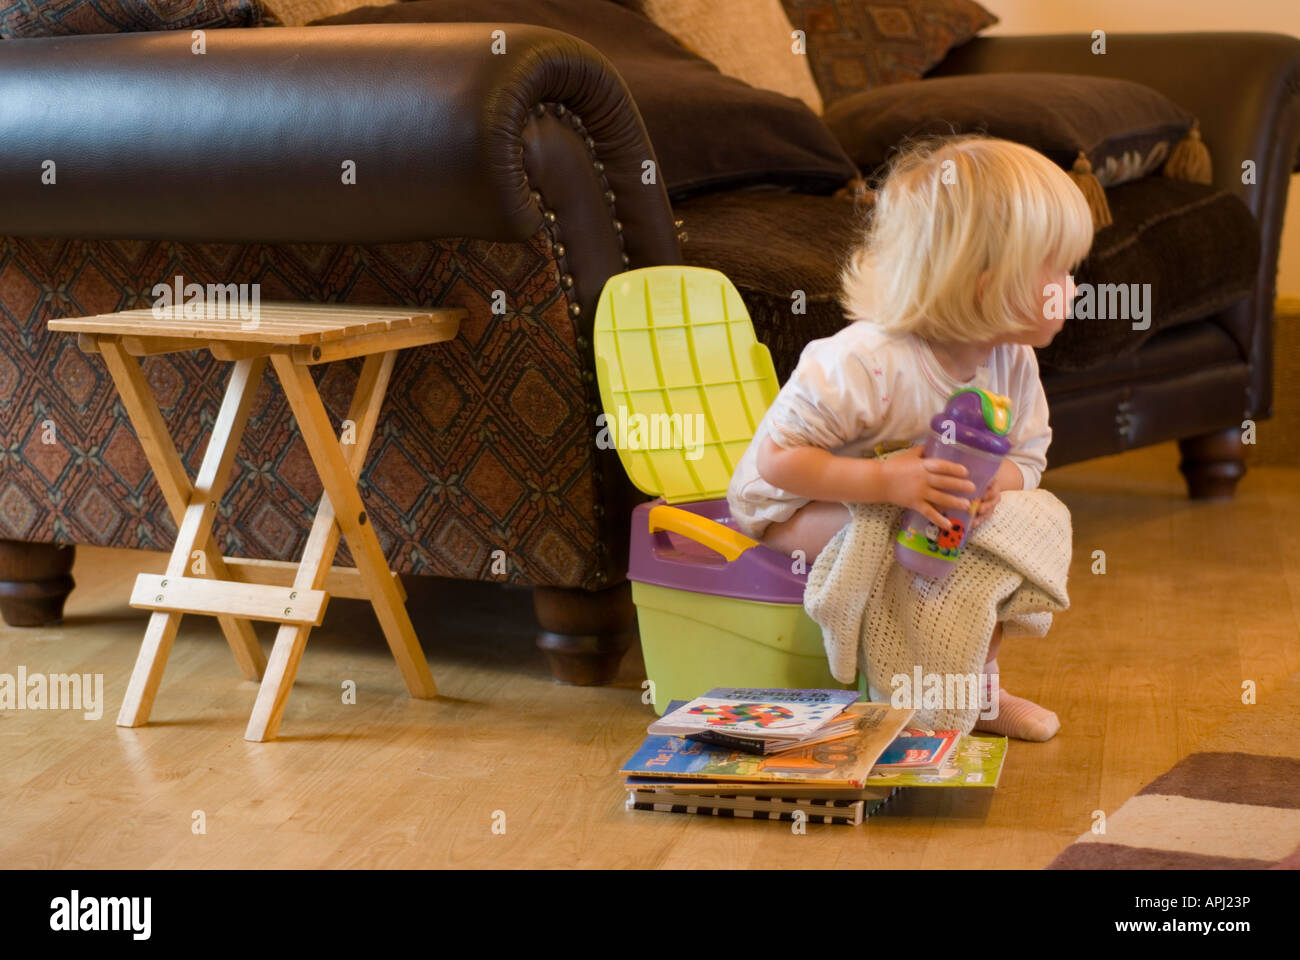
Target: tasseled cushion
point(1103, 131)
point(1189, 160)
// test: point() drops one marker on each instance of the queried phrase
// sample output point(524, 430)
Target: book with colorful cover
point(976, 762)
point(917, 749)
point(761, 713)
point(843, 762)
point(842, 726)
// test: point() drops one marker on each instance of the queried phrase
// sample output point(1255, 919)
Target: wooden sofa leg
point(584, 633)
point(1213, 463)
point(34, 582)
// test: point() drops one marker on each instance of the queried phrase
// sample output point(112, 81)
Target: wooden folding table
point(235, 590)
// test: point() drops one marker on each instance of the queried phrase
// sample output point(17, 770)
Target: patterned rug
point(1233, 806)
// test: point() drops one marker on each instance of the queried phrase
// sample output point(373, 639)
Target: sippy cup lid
point(995, 408)
point(977, 418)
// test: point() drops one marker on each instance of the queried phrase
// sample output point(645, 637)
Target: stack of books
point(797, 754)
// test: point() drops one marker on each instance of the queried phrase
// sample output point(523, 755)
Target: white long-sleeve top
point(864, 389)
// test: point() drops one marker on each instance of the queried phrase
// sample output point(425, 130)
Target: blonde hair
point(949, 210)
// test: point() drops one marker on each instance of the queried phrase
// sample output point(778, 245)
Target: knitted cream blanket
point(877, 614)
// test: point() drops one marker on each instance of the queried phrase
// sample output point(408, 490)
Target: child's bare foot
point(1018, 717)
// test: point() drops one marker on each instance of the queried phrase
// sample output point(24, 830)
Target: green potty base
point(693, 642)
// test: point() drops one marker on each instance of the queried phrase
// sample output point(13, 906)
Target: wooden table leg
point(195, 527)
point(169, 471)
point(318, 555)
point(350, 515)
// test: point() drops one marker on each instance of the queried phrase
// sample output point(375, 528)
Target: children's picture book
point(765, 714)
point(918, 750)
point(842, 726)
point(975, 762)
point(844, 762)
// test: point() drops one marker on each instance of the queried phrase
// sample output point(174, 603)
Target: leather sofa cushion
point(1195, 345)
point(1198, 247)
point(709, 131)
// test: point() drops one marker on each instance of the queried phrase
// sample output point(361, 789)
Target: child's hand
point(990, 500)
point(1008, 477)
point(926, 485)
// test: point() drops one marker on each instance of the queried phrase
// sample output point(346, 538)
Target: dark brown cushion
point(709, 131)
point(1127, 130)
point(51, 18)
point(854, 45)
point(1198, 247)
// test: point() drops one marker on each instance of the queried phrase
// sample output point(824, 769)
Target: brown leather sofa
point(475, 173)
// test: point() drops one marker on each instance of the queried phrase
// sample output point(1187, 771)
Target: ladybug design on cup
point(951, 539)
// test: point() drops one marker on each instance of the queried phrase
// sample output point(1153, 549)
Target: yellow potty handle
point(708, 533)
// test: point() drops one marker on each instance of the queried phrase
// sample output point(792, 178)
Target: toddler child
point(948, 290)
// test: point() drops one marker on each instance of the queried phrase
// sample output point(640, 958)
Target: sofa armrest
point(248, 141)
point(1243, 87)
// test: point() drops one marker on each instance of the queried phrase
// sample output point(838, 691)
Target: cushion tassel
point(858, 191)
point(1088, 184)
point(1190, 159)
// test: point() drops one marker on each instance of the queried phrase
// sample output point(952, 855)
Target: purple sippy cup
point(970, 430)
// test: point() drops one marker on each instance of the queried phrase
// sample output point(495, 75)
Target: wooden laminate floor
point(1195, 599)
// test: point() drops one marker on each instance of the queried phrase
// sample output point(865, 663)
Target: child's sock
point(1017, 717)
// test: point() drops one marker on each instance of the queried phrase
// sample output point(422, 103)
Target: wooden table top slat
point(288, 324)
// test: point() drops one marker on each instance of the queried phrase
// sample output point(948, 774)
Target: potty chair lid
point(683, 380)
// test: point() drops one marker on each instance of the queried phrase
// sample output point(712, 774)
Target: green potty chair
point(684, 384)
